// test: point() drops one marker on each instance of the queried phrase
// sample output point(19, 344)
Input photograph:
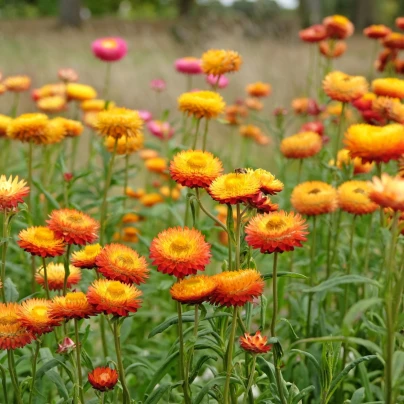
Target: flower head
point(255, 344)
point(353, 197)
point(180, 251)
point(119, 262)
point(259, 89)
point(377, 31)
point(119, 122)
point(86, 257)
point(301, 145)
point(28, 128)
point(17, 83)
point(56, 276)
point(220, 61)
point(109, 49)
point(314, 198)
point(73, 305)
point(315, 33)
point(73, 226)
point(52, 104)
point(4, 122)
point(313, 126)
point(269, 184)
point(194, 290)
point(103, 379)
point(332, 51)
point(342, 87)
point(145, 115)
point(195, 168)
point(236, 288)
point(68, 75)
point(156, 164)
point(188, 65)
point(41, 241)
point(125, 145)
point(160, 129)
point(114, 297)
point(96, 105)
point(151, 199)
point(72, 128)
point(250, 131)
point(235, 187)
point(66, 347)
point(338, 26)
point(235, 114)
point(276, 232)
point(387, 192)
point(389, 87)
point(12, 192)
point(80, 92)
point(344, 159)
point(158, 85)
point(394, 40)
point(201, 104)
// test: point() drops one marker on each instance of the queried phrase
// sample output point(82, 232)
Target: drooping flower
point(73, 226)
point(302, 145)
point(201, 104)
point(268, 183)
point(314, 198)
point(121, 263)
point(125, 145)
point(389, 87)
point(195, 168)
point(66, 347)
point(28, 128)
point(114, 297)
point(377, 31)
point(189, 65)
point(276, 232)
point(194, 290)
point(333, 51)
point(344, 88)
point(17, 83)
point(86, 257)
point(315, 33)
point(110, 49)
point(73, 305)
point(103, 379)
point(259, 89)
point(220, 61)
point(160, 129)
point(388, 191)
point(41, 241)
point(338, 26)
point(180, 251)
point(56, 276)
point(235, 187)
point(80, 92)
point(353, 197)
point(236, 288)
point(217, 81)
point(12, 192)
point(35, 316)
point(255, 344)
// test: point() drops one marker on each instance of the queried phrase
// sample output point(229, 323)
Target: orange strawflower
point(114, 297)
point(254, 103)
point(130, 235)
point(12, 192)
point(312, 34)
point(251, 131)
point(268, 183)
point(302, 145)
point(54, 132)
point(314, 198)
point(235, 114)
point(344, 88)
point(338, 26)
point(151, 199)
point(103, 379)
point(180, 251)
point(56, 276)
point(395, 40)
point(377, 31)
point(72, 128)
point(344, 159)
point(86, 257)
point(259, 89)
point(4, 122)
point(147, 154)
point(121, 263)
point(333, 51)
point(375, 143)
point(384, 106)
point(138, 193)
point(41, 241)
point(28, 128)
point(131, 218)
point(12, 332)
point(201, 104)
point(35, 316)
point(235, 187)
point(276, 232)
point(80, 92)
point(17, 83)
point(194, 290)
point(73, 305)
point(263, 203)
point(236, 288)
point(96, 105)
point(52, 104)
point(119, 122)
point(195, 168)
point(156, 164)
point(220, 61)
point(126, 145)
point(255, 344)
point(389, 87)
point(353, 197)
point(73, 226)
point(387, 191)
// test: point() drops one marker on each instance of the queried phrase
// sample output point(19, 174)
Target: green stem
point(198, 122)
point(349, 265)
point(29, 180)
point(125, 394)
point(67, 268)
point(192, 349)
point(107, 81)
point(329, 237)
point(299, 172)
point(4, 254)
point(75, 145)
point(106, 187)
point(207, 213)
point(78, 359)
point(229, 356)
point(337, 231)
point(181, 355)
point(45, 276)
point(339, 132)
point(250, 379)
point(312, 275)
point(33, 375)
point(238, 237)
point(367, 252)
point(13, 376)
point(14, 108)
point(205, 135)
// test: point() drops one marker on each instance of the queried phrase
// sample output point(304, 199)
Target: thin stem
point(312, 275)
point(33, 375)
point(189, 82)
point(13, 376)
point(238, 236)
point(191, 350)
point(250, 379)
point(107, 81)
point(339, 132)
point(329, 237)
point(181, 354)
point(14, 108)
point(205, 135)
point(4, 254)
point(67, 268)
point(207, 213)
point(125, 393)
point(198, 122)
point(106, 187)
point(78, 359)
point(45, 276)
point(337, 231)
point(103, 336)
point(29, 180)
point(299, 172)
point(75, 145)
point(367, 253)
point(229, 357)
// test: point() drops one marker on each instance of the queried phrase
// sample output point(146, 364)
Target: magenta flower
point(212, 80)
point(145, 116)
point(158, 85)
point(109, 49)
point(188, 65)
point(162, 130)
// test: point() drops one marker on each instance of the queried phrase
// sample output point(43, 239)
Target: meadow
point(217, 220)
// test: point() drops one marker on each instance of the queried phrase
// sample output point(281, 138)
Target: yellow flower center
point(74, 217)
point(232, 181)
point(40, 312)
point(8, 319)
point(360, 191)
point(339, 19)
point(179, 245)
point(116, 289)
point(314, 191)
point(125, 259)
point(104, 377)
point(197, 161)
point(109, 44)
point(275, 222)
point(92, 249)
point(44, 234)
point(75, 297)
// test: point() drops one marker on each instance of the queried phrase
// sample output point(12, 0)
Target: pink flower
point(162, 130)
point(158, 85)
point(66, 346)
point(109, 49)
point(212, 80)
point(145, 116)
point(188, 65)
point(314, 126)
point(67, 177)
point(68, 75)
point(280, 111)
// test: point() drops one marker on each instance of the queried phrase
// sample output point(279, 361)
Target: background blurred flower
point(217, 81)
point(189, 65)
point(110, 49)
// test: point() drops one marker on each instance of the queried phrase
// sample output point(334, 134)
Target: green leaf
point(10, 290)
point(356, 311)
point(217, 381)
point(398, 367)
point(159, 393)
point(285, 274)
point(268, 368)
point(358, 396)
point(57, 380)
point(4, 383)
point(174, 212)
point(285, 320)
point(201, 361)
point(49, 197)
point(133, 366)
point(311, 358)
point(305, 392)
point(340, 280)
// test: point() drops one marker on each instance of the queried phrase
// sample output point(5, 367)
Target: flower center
point(125, 259)
point(116, 289)
point(360, 191)
point(8, 320)
point(44, 234)
point(104, 377)
point(339, 19)
point(74, 217)
point(197, 161)
point(275, 222)
point(180, 244)
point(314, 191)
point(109, 44)
point(232, 181)
point(76, 297)
point(92, 249)
point(40, 312)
